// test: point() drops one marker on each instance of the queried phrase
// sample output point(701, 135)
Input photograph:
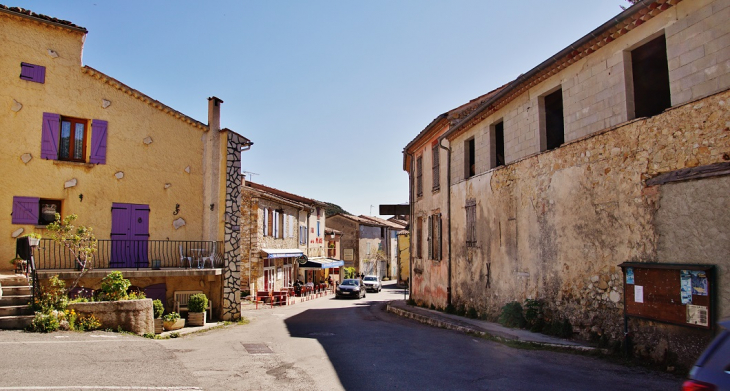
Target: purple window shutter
point(35, 73)
point(51, 135)
point(98, 142)
point(25, 210)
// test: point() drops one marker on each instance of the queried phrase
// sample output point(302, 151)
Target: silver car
point(372, 283)
point(712, 370)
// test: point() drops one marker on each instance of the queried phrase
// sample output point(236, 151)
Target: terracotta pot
point(158, 326)
point(178, 324)
point(196, 319)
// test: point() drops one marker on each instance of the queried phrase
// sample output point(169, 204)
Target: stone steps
point(15, 312)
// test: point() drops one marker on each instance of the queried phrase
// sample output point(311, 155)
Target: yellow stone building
point(151, 181)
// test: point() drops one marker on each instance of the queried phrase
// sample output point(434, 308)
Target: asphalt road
point(323, 344)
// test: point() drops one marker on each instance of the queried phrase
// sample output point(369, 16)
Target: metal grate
point(257, 348)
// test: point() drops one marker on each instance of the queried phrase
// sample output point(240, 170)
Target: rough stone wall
point(249, 239)
point(132, 315)
point(555, 226)
point(231, 308)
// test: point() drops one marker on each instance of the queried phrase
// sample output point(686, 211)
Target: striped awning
point(282, 252)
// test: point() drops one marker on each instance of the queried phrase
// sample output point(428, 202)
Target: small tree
point(79, 241)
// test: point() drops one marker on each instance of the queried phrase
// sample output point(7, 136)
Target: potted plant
point(158, 309)
point(197, 304)
point(172, 321)
point(19, 264)
point(34, 239)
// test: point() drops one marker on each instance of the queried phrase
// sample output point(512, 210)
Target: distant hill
point(333, 209)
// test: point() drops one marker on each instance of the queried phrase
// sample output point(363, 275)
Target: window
point(266, 222)
point(270, 219)
point(67, 138)
point(435, 166)
point(434, 237)
point(382, 232)
point(419, 238)
point(650, 76)
point(368, 248)
point(34, 210)
point(471, 223)
point(318, 233)
point(469, 158)
point(302, 235)
point(419, 176)
point(497, 144)
point(552, 127)
point(34, 73)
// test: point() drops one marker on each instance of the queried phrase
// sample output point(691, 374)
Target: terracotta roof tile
point(45, 18)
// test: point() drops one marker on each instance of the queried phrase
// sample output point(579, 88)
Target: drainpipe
point(448, 212)
point(412, 225)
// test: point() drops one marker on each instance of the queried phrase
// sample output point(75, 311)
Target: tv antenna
point(249, 173)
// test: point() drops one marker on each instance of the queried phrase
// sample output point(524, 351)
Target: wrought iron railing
point(134, 254)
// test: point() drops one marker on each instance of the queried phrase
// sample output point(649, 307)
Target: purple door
point(130, 235)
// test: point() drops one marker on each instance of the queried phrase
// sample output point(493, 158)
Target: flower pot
point(176, 325)
point(158, 326)
point(196, 319)
point(33, 241)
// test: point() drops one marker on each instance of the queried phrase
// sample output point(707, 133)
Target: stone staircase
point(15, 312)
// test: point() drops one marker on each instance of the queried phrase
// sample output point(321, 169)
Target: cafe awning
point(318, 263)
point(282, 252)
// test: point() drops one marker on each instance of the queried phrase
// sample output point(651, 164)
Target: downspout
point(412, 225)
point(448, 212)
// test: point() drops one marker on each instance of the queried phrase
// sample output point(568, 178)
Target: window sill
point(66, 162)
point(435, 190)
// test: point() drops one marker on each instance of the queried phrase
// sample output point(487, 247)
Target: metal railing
point(136, 254)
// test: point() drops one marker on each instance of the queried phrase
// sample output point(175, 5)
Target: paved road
point(323, 344)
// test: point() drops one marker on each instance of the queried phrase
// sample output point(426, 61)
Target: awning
point(282, 252)
point(319, 263)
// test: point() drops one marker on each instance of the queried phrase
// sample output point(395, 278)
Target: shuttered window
point(266, 222)
point(25, 210)
point(34, 73)
point(430, 237)
point(471, 221)
point(435, 166)
point(419, 177)
point(66, 138)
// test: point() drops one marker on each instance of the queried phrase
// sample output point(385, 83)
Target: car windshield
point(371, 278)
point(350, 282)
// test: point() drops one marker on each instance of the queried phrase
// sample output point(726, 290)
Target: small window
point(34, 210)
point(435, 166)
point(34, 73)
point(73, 139)
point(497, 147)
point(650, 78)
point(318, 233)
point(552, 125)
point(67, 138)
point(302, 235)
point(469, 158)
point(419, 238)
point(435, 234)
point(471, 223)
point(48, 209)
point(419, 176)
point(270, 219)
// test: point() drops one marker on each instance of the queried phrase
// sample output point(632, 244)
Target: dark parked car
point(350, 288)
point(711, 372)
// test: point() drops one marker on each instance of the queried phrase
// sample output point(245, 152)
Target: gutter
point(448, 212)
point(644, 4)
point(411, 226)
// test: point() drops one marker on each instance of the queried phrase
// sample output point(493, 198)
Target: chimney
point(214, 113)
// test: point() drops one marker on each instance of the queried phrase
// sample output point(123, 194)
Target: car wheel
point(380, 289)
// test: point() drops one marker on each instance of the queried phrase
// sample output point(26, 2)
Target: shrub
point(472, 313)
point(52, 297)
point(197, 303)
point(87, 323)
point(450, 309)
point(44, 323)
point(158, 308)
point(433, 307)
point(114, 287)
point(511, 315)
point(171, 317)
point(460, 310)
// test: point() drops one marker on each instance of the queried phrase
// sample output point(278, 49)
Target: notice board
point(672, 293)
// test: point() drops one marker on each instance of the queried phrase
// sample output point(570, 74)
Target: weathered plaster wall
point(556, 225)
point(692, 224)
point(404, 257)
point(350, 238)
point(371, 241)
point(161, 174)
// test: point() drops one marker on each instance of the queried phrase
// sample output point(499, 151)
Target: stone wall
point(131, 315)
point(555, 226)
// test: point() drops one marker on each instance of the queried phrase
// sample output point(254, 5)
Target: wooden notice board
point(678, 294)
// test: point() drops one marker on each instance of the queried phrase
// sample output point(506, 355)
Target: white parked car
point(372, 283)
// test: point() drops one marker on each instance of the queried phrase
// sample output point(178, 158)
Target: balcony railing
point(133, 254)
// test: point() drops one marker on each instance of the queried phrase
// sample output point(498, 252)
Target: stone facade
point(135, 316)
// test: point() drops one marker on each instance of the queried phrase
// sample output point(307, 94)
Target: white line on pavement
point(62, 342)
point(100, 388)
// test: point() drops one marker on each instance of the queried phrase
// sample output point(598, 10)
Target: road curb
point(444, 324)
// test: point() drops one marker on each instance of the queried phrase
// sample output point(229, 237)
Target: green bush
point(44, 323)
point(472, 313)
point(114, 287)
point(158, 308)
point(511, 315)
point(52, 297)
point(171, 317)
point(450, 309)
point(197, 303)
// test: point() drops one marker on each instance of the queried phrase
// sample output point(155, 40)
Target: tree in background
point(333, 209)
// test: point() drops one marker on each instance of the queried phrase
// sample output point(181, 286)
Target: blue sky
point(329, 91)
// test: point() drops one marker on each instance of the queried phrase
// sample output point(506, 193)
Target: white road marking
point(100, 388)
point(52, 342)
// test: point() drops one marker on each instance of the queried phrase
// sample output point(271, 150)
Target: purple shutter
point(25, 210)
point(98, 142)
point(140, 231)
point(35, 73)
point(51, 135)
